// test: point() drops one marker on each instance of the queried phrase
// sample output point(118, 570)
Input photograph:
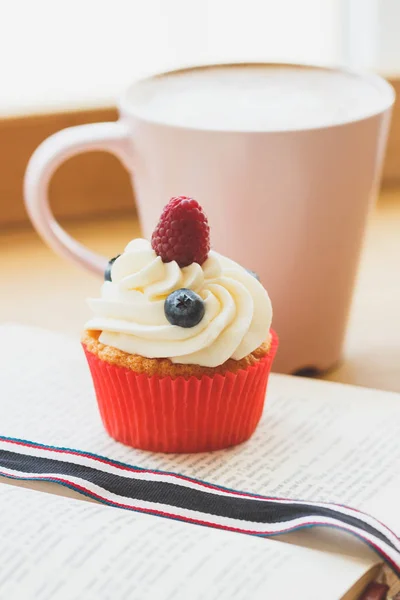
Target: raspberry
point(182, 233)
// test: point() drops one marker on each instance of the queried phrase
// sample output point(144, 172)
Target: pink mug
point(288, 202)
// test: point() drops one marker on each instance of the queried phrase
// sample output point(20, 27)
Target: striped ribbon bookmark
point(179, 497)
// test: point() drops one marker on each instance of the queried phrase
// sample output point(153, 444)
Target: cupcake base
point(181, 414)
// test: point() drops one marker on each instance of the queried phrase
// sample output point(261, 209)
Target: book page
point(316, 440)
point(61, 548)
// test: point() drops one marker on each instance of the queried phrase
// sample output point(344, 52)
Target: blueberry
point(254, 274)
point(184, 308)
point(107, 272)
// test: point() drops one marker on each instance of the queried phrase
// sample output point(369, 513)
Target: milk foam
point(256, 98)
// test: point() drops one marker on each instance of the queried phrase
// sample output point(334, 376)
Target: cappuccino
point(255, 98)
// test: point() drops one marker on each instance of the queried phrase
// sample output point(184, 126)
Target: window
point(69, 52)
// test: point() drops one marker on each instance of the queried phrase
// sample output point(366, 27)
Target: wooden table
point(38, 288)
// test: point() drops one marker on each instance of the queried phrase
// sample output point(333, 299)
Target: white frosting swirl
point(130, 312)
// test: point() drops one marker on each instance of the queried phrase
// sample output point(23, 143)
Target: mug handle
point(111, 136)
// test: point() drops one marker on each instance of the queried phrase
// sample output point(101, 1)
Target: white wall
point(57, 53)
point(374, 35)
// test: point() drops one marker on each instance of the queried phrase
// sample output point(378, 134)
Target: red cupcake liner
point(162, 414)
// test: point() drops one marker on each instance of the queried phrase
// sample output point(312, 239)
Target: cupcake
point(180, 345)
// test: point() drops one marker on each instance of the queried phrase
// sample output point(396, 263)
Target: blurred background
point(84, 52)
point(64, 62)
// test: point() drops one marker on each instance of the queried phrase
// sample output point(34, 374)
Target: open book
point(316, 441)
